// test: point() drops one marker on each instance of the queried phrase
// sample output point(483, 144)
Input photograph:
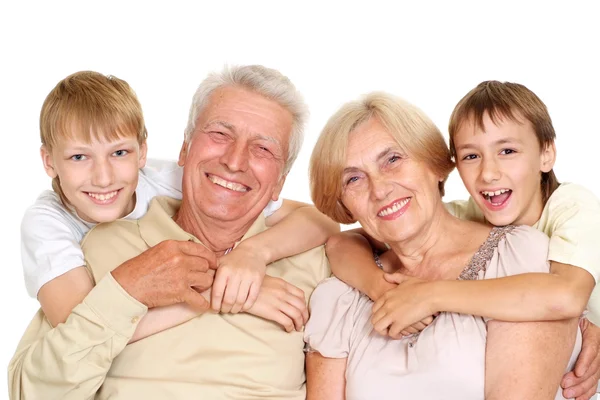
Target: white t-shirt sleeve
point(50, 237)
point(272, 207)
point(162, 177)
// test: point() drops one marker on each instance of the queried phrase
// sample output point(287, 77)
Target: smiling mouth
point(393, 208)
point(497, 197)
point(103, 196)
point(236, 187)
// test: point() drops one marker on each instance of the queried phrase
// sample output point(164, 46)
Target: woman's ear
point(548, 157)
point(48, 162)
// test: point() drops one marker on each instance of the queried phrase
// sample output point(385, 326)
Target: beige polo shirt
point(212, 356)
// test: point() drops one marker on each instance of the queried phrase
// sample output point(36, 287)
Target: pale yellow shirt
point(212, 356)
point(571, 218)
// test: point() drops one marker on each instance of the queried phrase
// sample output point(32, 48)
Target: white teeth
point(103, 196)
point(236, 187)
point(496, 193)
point(395, 207)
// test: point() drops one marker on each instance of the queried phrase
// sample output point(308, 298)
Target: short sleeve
point(272, 207)
point(329, 327)
point(522, 250)
point(162, 178)
point(573, 226)
point(49, 247)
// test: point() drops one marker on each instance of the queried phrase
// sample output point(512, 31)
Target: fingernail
point(568, 382)
point(569, 393)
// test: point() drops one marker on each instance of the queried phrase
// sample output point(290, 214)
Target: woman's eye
point(393, 159)
point(120, 153)
point(78, 157)
point(507, 151)
point(351, 180)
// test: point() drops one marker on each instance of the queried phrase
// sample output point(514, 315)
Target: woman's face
point(392, 196)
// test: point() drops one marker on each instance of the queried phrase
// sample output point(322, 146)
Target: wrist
point(128, 283)
point(378, 286)
point(254, 247)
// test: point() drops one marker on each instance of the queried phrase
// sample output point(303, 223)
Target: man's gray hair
point(267, 82)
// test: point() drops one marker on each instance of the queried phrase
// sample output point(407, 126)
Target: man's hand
point(581, 383)
point(170, 272)
point(403, 310)
point(282, 303)
point(237, 280)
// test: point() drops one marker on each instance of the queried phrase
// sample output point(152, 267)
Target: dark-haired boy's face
point(98, 178)
point(501, 167)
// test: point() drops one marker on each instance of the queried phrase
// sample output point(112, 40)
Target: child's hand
point(405, 309)
point(238, 279)
point(281, 302)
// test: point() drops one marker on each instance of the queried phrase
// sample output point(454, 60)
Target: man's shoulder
point(106, 233)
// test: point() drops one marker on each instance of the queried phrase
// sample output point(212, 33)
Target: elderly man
point(243, 134)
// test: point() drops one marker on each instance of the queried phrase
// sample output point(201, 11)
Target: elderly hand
point(238, 280)
point(282, 303)
point(170, 272)
point(582, 382)
point(404, 310)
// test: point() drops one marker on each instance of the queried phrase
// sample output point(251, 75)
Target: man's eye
point(78, 157)
point(393, 159)
point(120, 153)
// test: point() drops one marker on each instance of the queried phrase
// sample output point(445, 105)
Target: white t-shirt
point(50, 234)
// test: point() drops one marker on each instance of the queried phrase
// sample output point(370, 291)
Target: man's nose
point(236, 157)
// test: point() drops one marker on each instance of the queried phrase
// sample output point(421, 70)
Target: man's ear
point(278, 188)
point(143, 155)
point(548, 157)
point(48, 162)
point(183, 153)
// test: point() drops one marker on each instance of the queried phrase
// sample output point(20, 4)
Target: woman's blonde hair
point(415, 133)
point(88, 105)
point(507, 100)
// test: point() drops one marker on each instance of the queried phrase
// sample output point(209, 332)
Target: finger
point(378, 304)
point(231, 294)
point(394, 331)
point(242, 296)
point(427, 321)
point(419, 326)
point(581, 384)
point(252, 296)
point(587, 395)
point(299, 304)
point(411, 330)
point(295, 314)
point(404, 333)
point(396, 277)
point(218, 290)
point(199, 280)
point(195, 300)
point(198, 250)
point(585, 359)
point(382, 325)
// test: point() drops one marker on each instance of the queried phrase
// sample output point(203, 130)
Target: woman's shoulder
point(519, 249)
point(331, 289)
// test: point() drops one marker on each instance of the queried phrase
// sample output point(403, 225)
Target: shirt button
point(135, 320)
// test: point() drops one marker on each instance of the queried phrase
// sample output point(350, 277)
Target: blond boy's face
point(501, 168)
point(98, 178)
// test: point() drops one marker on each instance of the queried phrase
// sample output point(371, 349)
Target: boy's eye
point(120, 153)
point(78, 157)
point(507, 151)
point(469, 157)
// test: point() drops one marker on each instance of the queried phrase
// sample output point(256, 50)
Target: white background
point(429, 53)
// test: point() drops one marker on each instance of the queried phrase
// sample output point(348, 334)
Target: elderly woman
point(383, 163)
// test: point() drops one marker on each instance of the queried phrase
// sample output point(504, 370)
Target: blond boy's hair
point(507, 100)
point(90, 106)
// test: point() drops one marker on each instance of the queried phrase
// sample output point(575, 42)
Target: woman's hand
point(582, 382)
point(404, 310)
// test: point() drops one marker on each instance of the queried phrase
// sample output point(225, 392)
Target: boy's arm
point(296, 227)
point(351, 259)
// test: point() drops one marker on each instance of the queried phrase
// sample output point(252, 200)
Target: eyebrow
point(230, 127)
point(497, 142)
point(224, 124)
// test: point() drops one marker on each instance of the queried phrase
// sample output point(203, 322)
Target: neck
point(432, 241)
point(219, 236)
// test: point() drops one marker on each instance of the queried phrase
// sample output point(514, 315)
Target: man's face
point(234, 162)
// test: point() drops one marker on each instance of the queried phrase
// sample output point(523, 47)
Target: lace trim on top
point(485, 253)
